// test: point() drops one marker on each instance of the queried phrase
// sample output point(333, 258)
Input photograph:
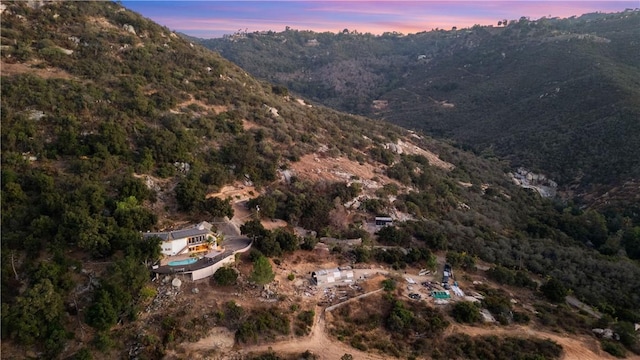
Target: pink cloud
point(374, 17)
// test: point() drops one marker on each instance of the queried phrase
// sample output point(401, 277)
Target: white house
point(197, 238)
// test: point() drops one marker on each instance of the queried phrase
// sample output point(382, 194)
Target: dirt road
point(318, 342)
point(576, 347)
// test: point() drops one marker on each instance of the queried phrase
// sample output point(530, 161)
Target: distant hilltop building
point(382, 221)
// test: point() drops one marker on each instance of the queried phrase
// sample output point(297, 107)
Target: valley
point(518, 92)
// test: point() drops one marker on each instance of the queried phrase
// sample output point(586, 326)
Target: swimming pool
point(182, 262)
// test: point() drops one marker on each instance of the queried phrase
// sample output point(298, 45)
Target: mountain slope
point(113, 125)
point(556, 96)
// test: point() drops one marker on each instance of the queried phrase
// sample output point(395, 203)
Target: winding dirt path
point(215, 108)
point(318, 342)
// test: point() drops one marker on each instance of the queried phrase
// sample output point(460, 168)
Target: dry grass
point(7, 69)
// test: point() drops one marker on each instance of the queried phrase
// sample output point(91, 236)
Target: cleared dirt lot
point(220, 341)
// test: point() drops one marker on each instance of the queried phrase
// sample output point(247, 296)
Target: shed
point(383, 220)
point(332, 276)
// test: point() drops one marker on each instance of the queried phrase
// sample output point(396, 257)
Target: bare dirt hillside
point(46, 72)
point(316, 167)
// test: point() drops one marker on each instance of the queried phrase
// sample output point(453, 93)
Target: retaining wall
point(210, 270)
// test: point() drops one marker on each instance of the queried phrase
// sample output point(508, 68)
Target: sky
point(211, 19)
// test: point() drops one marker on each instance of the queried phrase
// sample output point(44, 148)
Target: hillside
point(113, 125)
point(557, 96)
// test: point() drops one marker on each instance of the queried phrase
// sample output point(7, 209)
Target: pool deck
point(230, 245)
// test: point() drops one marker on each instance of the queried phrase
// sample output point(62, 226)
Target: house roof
point(203, 228)
point(327, 271)
point(185, 233)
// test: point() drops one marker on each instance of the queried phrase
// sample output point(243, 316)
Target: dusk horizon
point(214, 19)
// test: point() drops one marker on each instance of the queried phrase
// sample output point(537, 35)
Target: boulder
point(129, 28)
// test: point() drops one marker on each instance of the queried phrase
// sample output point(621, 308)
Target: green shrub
point(521, 318)
point(306, 317)
point(389, 285)
point(554, 290)
point(82, 354)
point(103, 341)
point(147, 293)
point(466, 312)
point(304, 322)
point(614, 348)
point(263, 323)
point(225, 276)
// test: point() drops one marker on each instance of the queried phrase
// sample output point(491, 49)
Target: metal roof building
point(332, 276)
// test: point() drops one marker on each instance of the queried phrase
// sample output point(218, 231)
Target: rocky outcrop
point(129, 28)
point(539, 182)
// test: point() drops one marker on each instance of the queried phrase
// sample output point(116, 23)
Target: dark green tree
point(288, 241)
point(253, 229)
point(35, 313)
point(217, 207)
point(268, 245)
point(390, 235)
point(131, 214)
point(132, 186)
point(262, 271)
point(400, 318)
point(266, 204)
point(554, 290)
point(102, 314)
point(148, 249)
point(627, 333)
point(190, 193)
point(631, 242)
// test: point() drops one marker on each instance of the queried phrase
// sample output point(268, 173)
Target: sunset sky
point(207, 19)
